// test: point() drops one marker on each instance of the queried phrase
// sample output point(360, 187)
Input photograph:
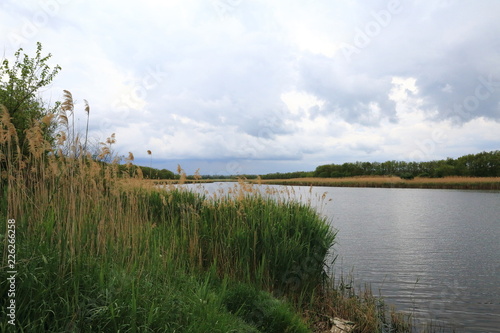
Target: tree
point(19, 86)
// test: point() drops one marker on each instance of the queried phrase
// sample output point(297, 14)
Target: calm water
point(434, 253)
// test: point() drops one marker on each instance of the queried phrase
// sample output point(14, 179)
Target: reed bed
point(97, 252)
point(472, 183)
point(100, 250)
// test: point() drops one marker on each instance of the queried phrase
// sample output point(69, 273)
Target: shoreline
point(452, 183)
point(394, 182)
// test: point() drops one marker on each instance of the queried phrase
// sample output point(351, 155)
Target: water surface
point(434, 253)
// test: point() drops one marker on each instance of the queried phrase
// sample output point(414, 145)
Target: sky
point(260, 86)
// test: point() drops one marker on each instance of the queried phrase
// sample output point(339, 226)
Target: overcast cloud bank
point(249, 86)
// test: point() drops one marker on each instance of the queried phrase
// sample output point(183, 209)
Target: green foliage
point(94, 257)
point(106, 298)
point(261, 310)
point(152, 173)
point(165, 174)
point(278, 246)
point(286, 175)
point(19, 85)
point(484, 164)
point(147, 172)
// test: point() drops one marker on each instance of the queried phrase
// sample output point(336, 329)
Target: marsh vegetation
point(100, 250)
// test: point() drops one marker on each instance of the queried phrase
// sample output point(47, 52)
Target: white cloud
point(262, 86)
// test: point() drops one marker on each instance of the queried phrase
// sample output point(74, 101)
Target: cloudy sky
point(260, 86)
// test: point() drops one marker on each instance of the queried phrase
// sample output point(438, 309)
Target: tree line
point(484, 164)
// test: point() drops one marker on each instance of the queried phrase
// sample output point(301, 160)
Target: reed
point(97, 252)
point(474, 183)
point(100, 249)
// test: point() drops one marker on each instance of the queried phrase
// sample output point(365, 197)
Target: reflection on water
point(432, 252)
point(435, 253)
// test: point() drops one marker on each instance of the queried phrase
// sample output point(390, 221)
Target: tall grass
point(250, 238)
point(466, 183)
point(99, 250)
point(97, 254)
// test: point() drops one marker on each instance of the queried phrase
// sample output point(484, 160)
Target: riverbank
point(148, 259)
point(93, 247)
point(463, 183)
point(98, 253)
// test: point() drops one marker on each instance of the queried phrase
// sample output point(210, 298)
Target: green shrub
point(261, 310)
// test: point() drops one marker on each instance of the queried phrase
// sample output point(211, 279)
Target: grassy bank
point(465, 183)
point(99, 250)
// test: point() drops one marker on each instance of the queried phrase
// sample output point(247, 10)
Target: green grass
point(96, 253)
point(179, 281)
point(108, 299)
point(252, 239)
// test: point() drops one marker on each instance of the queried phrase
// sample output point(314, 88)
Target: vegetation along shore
point(474, 171)
point(464, 183)
point(89, 246)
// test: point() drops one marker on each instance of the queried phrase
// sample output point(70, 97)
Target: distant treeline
point(484, 164)
point(147, 172)
point(288, 175)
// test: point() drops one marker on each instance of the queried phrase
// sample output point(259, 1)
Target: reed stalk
point(101, 250)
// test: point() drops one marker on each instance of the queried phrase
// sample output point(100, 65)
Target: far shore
point(464, 183)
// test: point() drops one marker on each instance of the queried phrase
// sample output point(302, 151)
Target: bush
point(261, 310)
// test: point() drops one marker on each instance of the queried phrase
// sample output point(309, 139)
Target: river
point(432, 253)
